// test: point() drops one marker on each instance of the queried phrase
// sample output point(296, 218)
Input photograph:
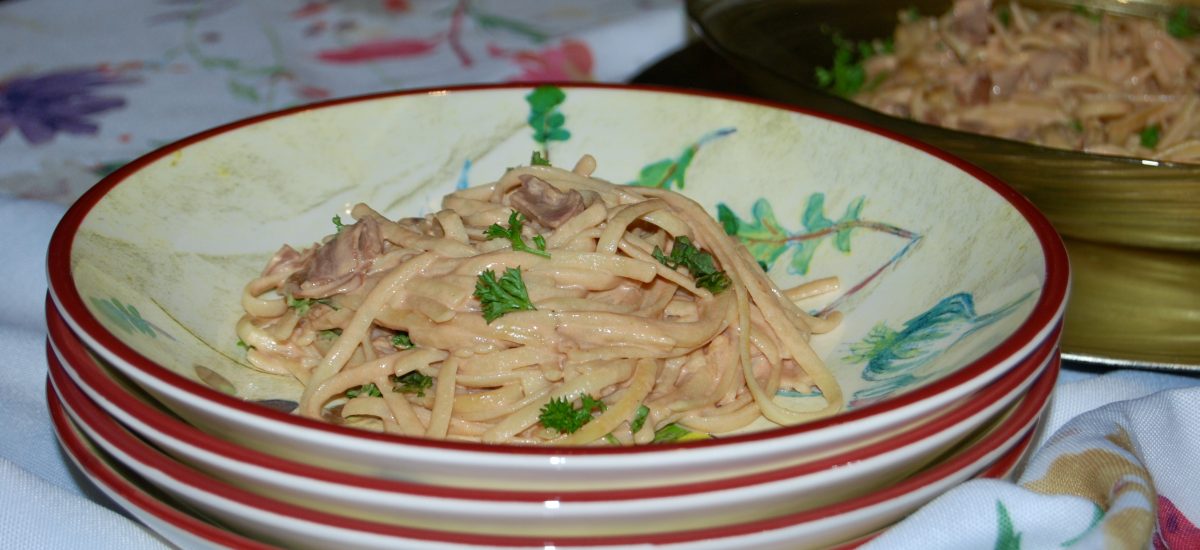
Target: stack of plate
point(948, 349)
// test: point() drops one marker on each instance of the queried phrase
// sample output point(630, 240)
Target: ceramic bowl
point(778, 44)
point(995, 452)
point(596, 512)
point(939, 260)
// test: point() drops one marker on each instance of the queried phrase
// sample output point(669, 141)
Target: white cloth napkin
point(1117, 472)
point(43, 504)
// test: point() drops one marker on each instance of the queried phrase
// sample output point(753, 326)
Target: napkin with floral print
point(88, 86)
point(1117, 471)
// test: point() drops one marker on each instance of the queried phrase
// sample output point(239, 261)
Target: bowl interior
point(939, 263)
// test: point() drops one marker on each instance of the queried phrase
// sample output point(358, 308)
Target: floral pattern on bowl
point(916, 242)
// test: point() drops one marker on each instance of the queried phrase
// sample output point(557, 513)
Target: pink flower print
point(571, 60)
point(380, 49)
point(1175, 530)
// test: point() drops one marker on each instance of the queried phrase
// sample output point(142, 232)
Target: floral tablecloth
point(87, 86)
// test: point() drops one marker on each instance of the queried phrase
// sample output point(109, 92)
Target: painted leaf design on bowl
point(768, 239)
point(127, 317)
point(214, 380)
point(545, 118)
point(896, 357)
point(670, 172)
point(281, 405)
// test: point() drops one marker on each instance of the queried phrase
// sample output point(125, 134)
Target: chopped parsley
point(401, 340)
point(670, 433)
point(698, 262)
point(1089, 13)
point(337, 223)
point(412, 382)
point(639, 419)
point(1004, 14)
point(513, 233)
point(366, 390)
point(1180, 24)
point(302, 305)
point(242, 344)
point(503, 295)
point(561, 415)
point(1150, 136)
point(330, 334)
point(847, 76)
point(538, 160)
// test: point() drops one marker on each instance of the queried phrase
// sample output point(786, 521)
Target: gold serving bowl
point(778, 44)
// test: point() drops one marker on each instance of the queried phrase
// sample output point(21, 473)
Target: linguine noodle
point(1068, 79)
point(384, 322)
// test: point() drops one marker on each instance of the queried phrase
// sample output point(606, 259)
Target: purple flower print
point(40, 106)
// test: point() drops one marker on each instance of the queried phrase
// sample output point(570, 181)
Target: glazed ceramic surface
point(758, 496)
point(949, 278)
point(999, 449)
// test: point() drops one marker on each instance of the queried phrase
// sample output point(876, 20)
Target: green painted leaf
point(545, 119)
point(763, 236)
point(243, 90)
point(655, 174)
point(490, 21)
point(671, 172)
point(853, 211)
point(1007, 538)
point(126, 317)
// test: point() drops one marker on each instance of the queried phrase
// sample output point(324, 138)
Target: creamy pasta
point(548, 294)
point(1070, 79)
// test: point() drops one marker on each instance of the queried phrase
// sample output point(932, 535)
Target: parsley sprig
point(368, 390)
point(413, 382)
point(639, 419)
point(302, 305)
point(503, 295)
point(1180, 24)
point(516, 221)
point(1150, 135)
point(561, 415)
point(698, 262)
point(538, 160)
point(847, 76)
point(402, 340)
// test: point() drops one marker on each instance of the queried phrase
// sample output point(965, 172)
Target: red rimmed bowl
point(589, 512)
point(964, 283)
point(996, 452)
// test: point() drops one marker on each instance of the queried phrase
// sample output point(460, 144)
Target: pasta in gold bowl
point(557, 287)
point(1089, 108)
